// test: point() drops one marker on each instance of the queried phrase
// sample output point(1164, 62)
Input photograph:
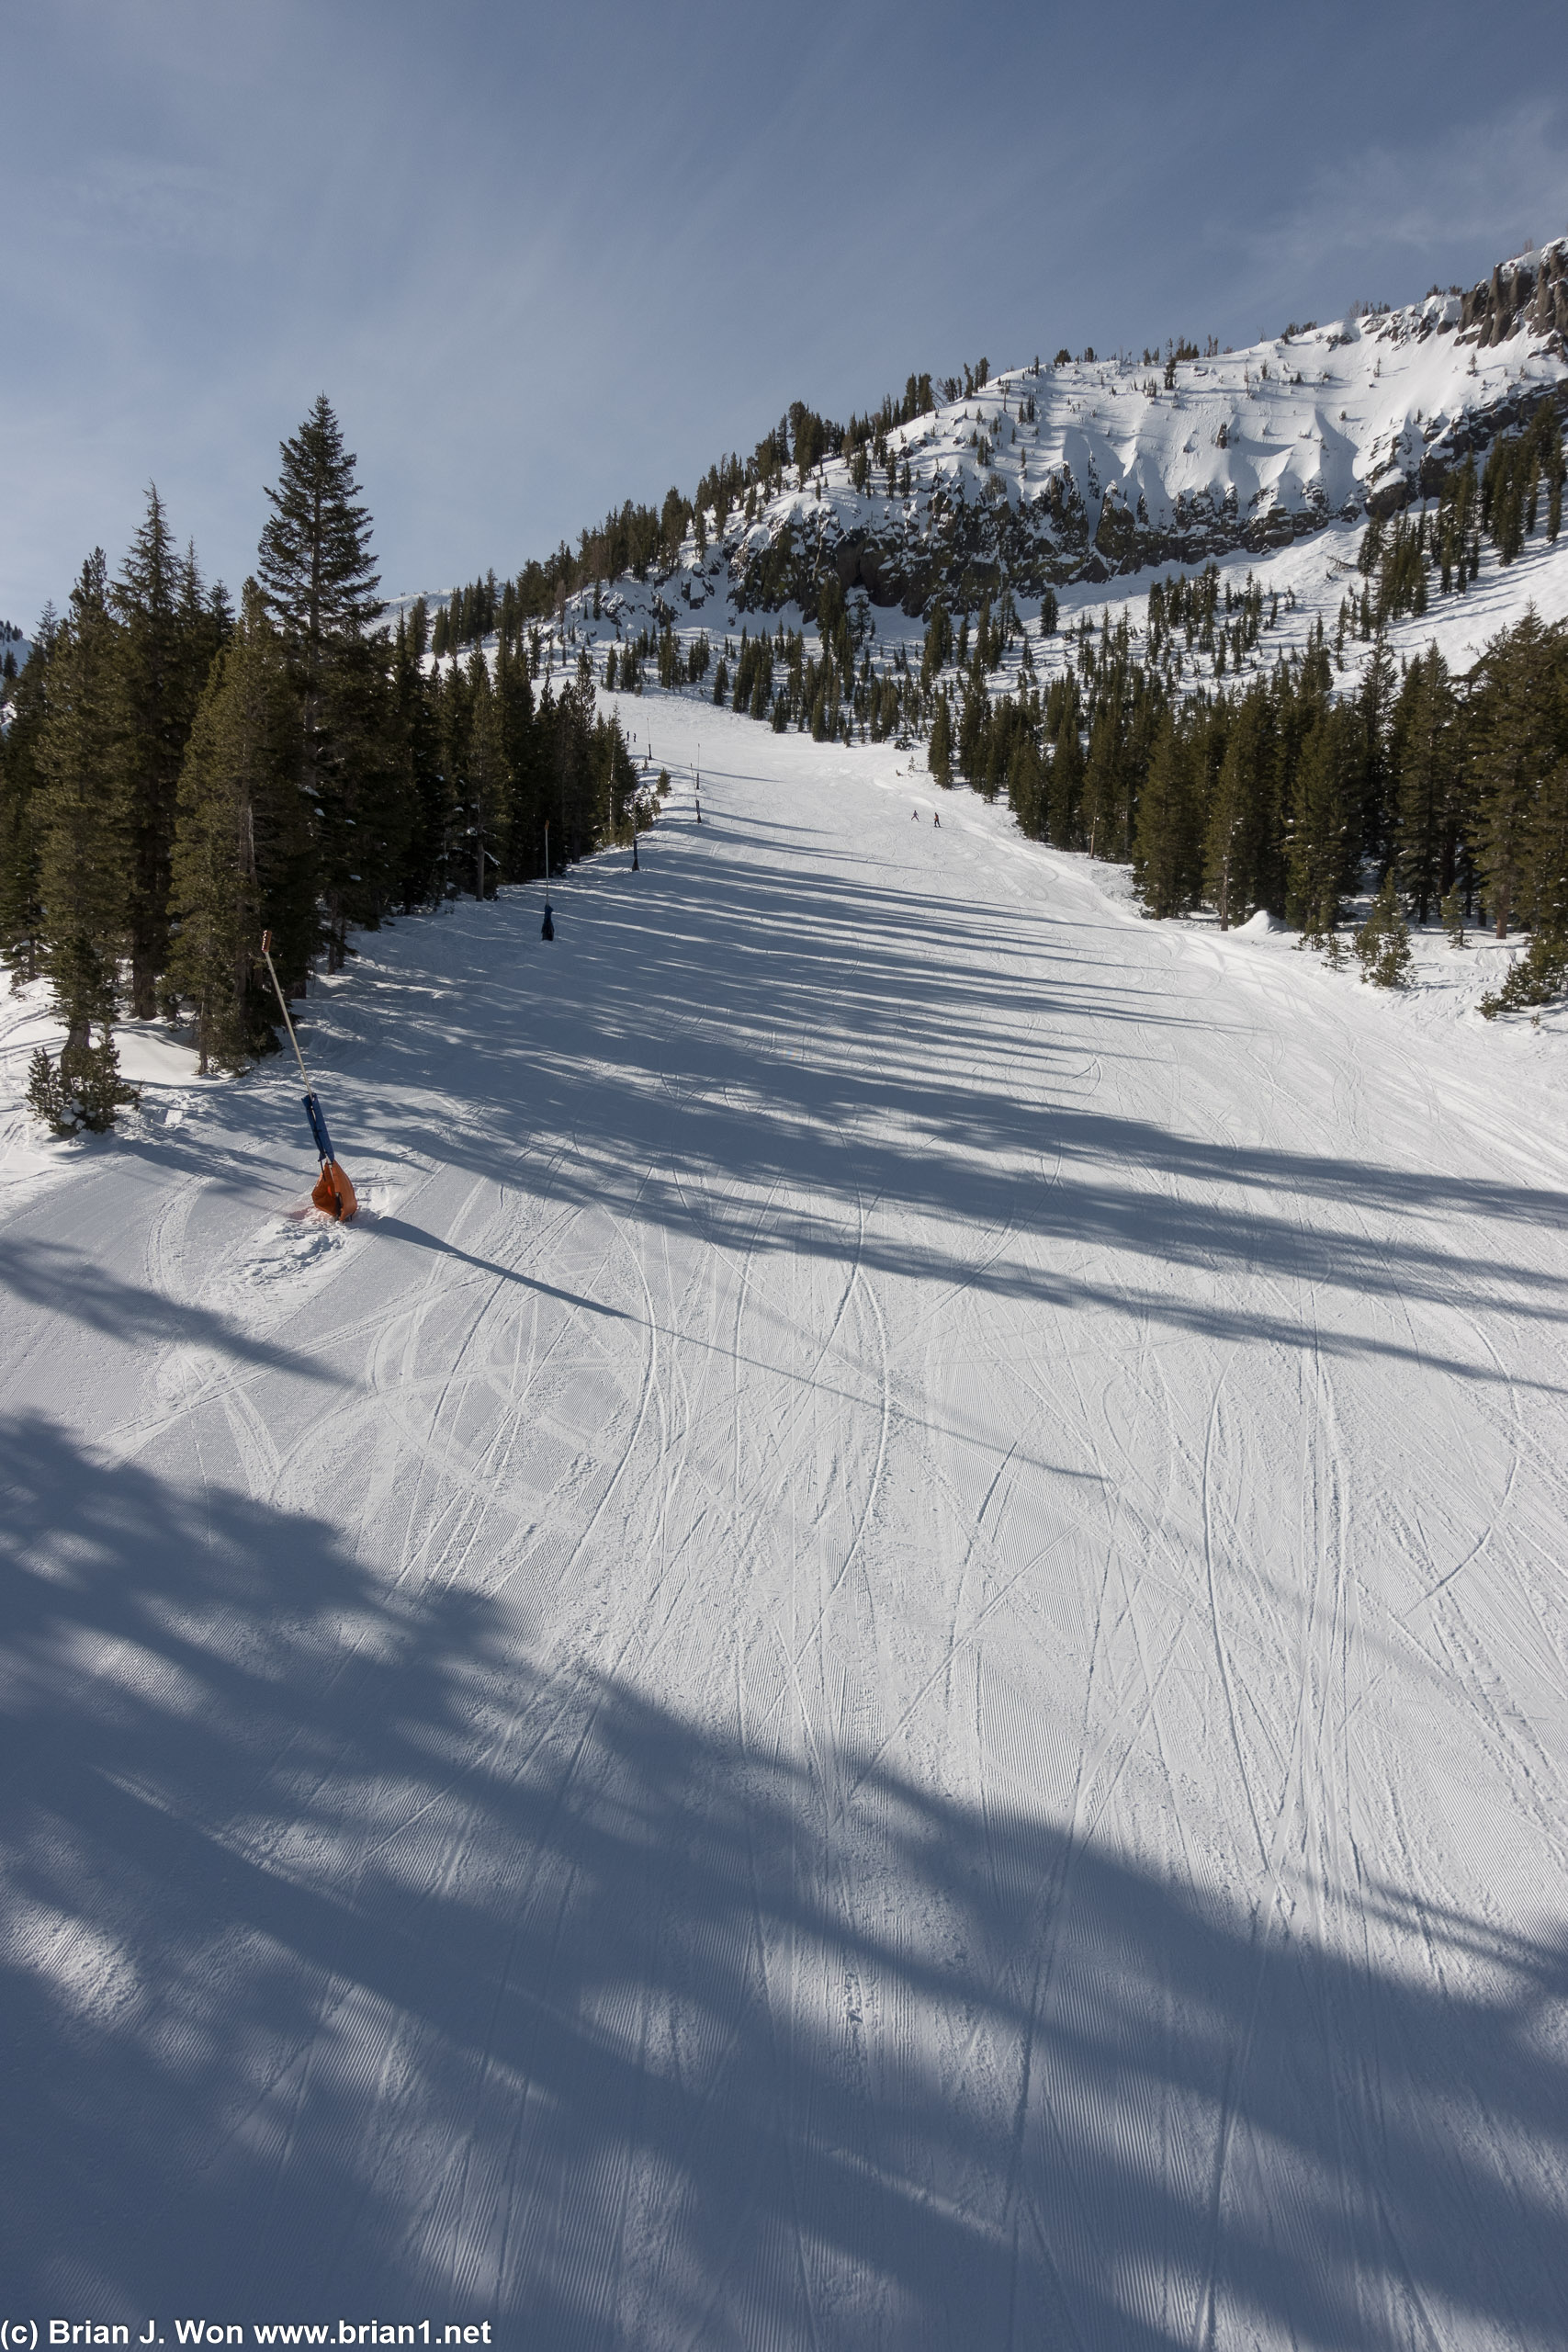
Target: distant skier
point(914, 816)
point(936, 823)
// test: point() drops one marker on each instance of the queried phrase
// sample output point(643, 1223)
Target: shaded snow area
point(879, 1662)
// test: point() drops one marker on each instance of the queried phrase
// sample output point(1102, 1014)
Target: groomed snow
point(881, 1662)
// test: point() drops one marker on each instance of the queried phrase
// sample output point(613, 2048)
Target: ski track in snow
point(879, 1662)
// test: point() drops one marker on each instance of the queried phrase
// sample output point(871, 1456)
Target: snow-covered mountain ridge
point(1086, 471)
point(1074, 487)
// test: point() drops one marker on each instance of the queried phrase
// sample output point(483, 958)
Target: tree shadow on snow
point(753, 1033)
point(355, 1965)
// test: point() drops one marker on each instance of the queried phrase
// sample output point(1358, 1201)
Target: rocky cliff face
point(1527, 295)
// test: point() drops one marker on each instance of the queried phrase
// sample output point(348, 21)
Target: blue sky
point(543, 260)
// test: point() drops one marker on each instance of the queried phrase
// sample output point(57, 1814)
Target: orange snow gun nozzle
point(331, 1192)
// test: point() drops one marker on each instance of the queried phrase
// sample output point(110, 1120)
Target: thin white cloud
point(1503, 183)
point(130, 200)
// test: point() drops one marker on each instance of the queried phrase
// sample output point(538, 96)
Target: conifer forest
point(179, 775)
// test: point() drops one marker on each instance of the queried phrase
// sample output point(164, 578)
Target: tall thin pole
point(282, 1006)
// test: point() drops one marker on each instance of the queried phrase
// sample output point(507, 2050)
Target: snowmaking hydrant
point(333, 1191)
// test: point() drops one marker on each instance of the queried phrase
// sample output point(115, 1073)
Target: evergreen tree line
point(1277, 794)
point(176, 778)
point(832, 691)
point(842, 687)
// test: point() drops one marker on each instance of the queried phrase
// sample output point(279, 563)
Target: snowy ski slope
point(880, 1663)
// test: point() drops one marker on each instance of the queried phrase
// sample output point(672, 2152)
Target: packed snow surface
point(879, 1662)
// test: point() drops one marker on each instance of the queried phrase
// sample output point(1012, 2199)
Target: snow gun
point(332, 1190)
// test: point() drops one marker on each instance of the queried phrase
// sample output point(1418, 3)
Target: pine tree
point(22, 808)
point(163, 647)
point(1241, 860)
point(1323, 833)
point(526, 768)
point(241, 861)
point(1065, 783)
point(1537, 977)
point(1026, 784)
point(1510, 746)
point(83, 830)
point(83, 852)
point(1375, 708)
point(489, 782)
point(1549, 855)
point(1103, 813)
point(1383, 942)
point(1423, 772)
point(319, 583)
point(316, 568)
point(1165, 856)
point(416, 747)
point(365, 821)
point(938, 753)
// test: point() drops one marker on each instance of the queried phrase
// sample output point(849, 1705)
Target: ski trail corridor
point(880, 1662)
